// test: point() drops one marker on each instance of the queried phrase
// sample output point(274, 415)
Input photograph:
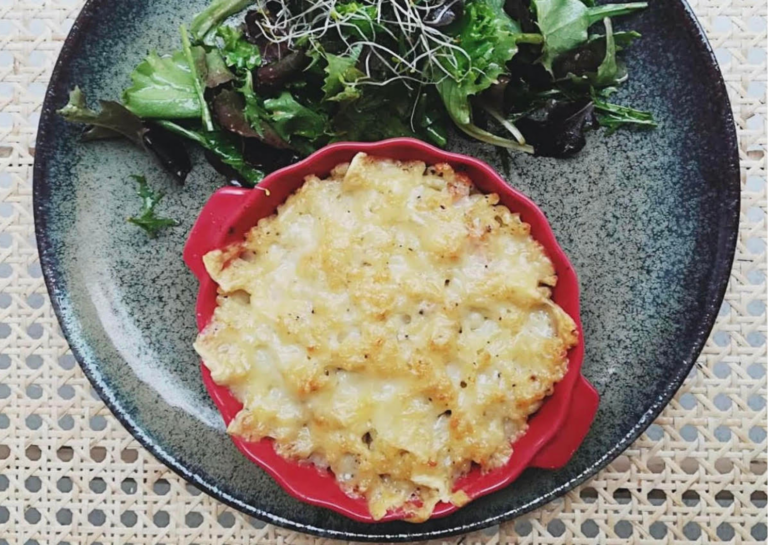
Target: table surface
point(69, 472)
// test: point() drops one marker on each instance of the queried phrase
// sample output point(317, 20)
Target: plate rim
point(728, 233)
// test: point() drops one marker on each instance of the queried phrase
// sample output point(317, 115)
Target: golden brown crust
point(391, 322)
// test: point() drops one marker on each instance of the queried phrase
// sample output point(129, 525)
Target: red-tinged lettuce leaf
point(270, 50)
point(274, 76)
point(255, 114)
point(224, 145)
point(113, 121)
point(217, 72)
point(169, 150)
point(229, 107)
point(558, 128)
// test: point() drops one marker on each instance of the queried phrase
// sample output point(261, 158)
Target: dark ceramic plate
point(649, 220)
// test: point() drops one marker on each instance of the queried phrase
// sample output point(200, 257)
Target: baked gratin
point(391, 324)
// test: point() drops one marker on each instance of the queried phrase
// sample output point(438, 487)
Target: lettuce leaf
point(164, 87)
point(362, 120)
point(113, 121)
point(377, 115)
point(238, 53)
point(488, 38)
point(341, 76)
point(196, 68)
point(257, 117)
point(565, 23)
point(148, 218)
point(614, 117)
point(217, 71)
point(304, 128)
point(221, 144)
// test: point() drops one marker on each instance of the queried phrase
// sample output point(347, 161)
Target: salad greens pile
point(260, 83)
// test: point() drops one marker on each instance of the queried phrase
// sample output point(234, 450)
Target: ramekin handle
point(564, 444)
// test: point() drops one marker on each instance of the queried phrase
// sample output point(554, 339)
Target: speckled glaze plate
point(648, 219)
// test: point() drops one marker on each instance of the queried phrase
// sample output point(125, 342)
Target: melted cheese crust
point(392, 324)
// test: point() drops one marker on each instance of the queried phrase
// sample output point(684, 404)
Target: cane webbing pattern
point(69, 473)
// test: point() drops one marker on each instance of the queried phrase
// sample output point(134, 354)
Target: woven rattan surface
point(69, 473)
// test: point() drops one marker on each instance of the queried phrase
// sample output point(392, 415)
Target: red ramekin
point(555, 431)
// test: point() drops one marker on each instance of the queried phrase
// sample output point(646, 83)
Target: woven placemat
point(69, 473)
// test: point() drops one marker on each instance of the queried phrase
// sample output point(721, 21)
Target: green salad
point(260, 83)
